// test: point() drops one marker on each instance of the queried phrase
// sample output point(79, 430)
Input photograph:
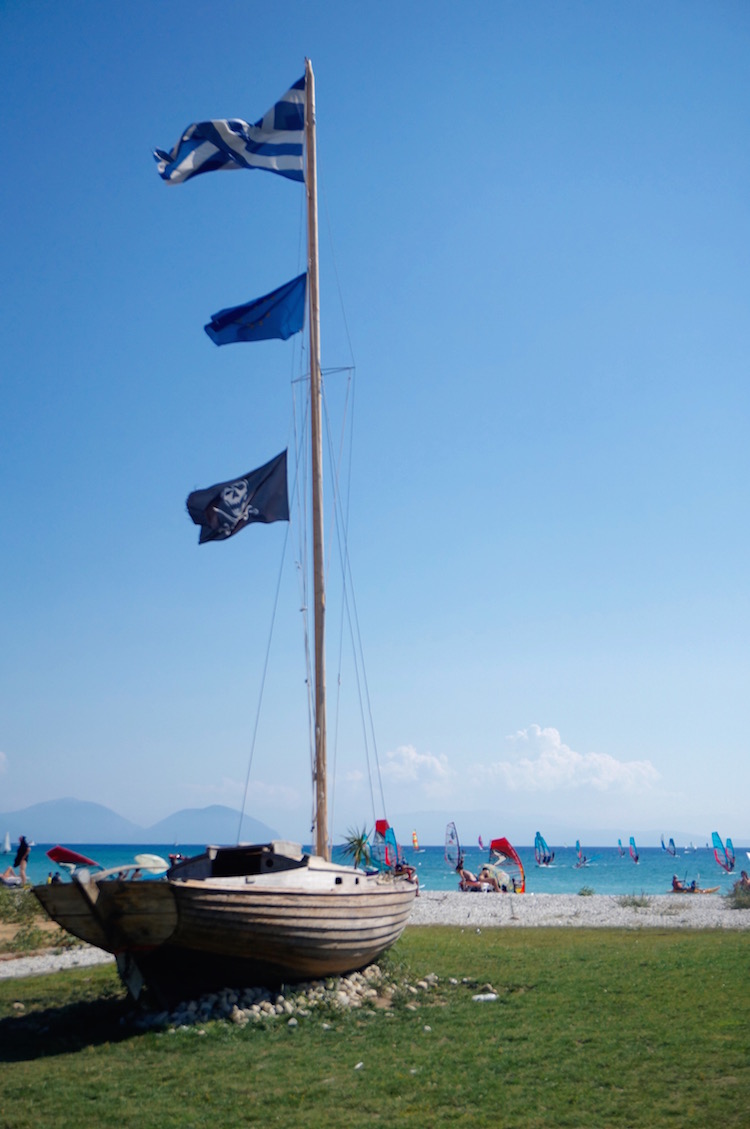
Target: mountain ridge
point(83, 821)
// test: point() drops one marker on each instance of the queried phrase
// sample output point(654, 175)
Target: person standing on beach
point(22, 854)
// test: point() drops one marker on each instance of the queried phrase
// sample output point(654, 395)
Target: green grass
point(20, 909)
point(591, 1028)
point(18, 906)
point(634, 901)
point(738, 897)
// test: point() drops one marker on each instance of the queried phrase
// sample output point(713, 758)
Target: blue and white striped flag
point(274, 143)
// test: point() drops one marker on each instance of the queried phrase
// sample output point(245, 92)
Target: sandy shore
point(432, 907)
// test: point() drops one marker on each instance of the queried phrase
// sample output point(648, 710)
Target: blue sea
point(607, 872)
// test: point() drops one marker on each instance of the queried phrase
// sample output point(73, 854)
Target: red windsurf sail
point(63, 856)
point(385, 848)
point(502, 850)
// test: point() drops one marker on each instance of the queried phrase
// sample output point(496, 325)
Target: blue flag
point(276, 315)
point(274, 143)
point(224, 509)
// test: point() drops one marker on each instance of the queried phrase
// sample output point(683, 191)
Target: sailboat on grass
point(249, 913)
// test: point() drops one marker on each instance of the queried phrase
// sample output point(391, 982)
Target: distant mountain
point(74, 821)
point(80, 821)
point(214, 824)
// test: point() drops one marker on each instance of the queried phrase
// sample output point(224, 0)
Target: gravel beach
point(597, 911)
point(432, 907)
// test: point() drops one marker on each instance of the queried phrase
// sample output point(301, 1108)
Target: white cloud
point(431, 773)
point(540, 761)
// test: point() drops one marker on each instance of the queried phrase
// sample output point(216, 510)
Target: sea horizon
point(607, 871)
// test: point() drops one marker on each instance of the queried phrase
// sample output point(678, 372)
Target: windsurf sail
point(542, 853)
point(720, 852)
point(63, 856)
point(453, 855)
point(414, 841)
point(669, 848)
point(620, 847)
point(729, 848)
point(503, 851)
point(385, 848)
point(481, 844)
point(633, 850)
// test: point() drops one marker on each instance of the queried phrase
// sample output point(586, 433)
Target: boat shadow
point(66, 1029)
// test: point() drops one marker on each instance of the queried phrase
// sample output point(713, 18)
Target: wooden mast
point(319, 598)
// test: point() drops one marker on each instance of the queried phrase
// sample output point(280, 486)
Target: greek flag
point(274, 143)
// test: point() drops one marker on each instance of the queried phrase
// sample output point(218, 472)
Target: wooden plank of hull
point(67, 904)
point(139, 914)
point(319, 919)
point(112, 915)
point(232, 923)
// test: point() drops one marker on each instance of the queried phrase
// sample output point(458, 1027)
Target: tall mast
point(319, 596)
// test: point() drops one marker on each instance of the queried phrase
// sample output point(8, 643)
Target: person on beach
point(486, 875)
point(744, 880)
point(22, 854)
point(9, 877)
point(484, 883)
point(466, 878)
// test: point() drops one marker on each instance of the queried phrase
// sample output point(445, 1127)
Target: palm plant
point(357, 846)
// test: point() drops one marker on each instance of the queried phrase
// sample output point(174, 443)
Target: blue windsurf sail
point(453, 855)
point(385, 849)
point(720, 852)
point(542, 853)
point(633, 850)
point(729, 848)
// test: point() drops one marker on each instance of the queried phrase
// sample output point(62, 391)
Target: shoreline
point(452, 908)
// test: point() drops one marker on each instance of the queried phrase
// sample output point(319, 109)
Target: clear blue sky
point(536, 220)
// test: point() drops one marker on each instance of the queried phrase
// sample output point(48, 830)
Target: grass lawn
point(589, 1028)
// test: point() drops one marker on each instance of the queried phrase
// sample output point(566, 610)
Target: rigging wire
point(349, 611)
point(339, 519)
point(262, 684)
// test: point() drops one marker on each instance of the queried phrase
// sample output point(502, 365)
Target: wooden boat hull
point(283, 918)
point(270, 937)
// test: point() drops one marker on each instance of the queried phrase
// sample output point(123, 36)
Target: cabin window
point(339, 879)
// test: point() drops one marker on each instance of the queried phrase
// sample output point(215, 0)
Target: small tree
point(357, 846)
